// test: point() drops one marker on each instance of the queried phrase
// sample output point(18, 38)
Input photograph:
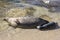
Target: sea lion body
point(26, 21)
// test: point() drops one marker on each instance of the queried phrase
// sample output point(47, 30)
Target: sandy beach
point(9, 33)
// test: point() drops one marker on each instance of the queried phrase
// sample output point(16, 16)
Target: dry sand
point(9, 33)
point(30, 34)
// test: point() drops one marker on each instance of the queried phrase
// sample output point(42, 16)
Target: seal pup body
point(26, 21)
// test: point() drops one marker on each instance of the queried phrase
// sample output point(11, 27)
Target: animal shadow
point(27, 27)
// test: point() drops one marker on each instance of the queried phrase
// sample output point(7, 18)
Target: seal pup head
point(11, 21)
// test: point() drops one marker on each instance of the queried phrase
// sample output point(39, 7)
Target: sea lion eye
point(17, 21)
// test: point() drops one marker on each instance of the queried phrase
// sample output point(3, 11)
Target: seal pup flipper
point(46, 25)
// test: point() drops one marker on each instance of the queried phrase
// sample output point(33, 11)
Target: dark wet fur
point(40, 22)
